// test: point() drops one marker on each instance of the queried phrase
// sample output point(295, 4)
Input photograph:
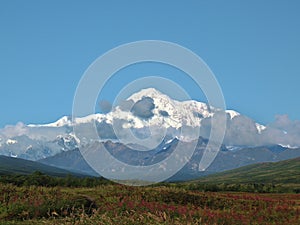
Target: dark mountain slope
point(9, 165)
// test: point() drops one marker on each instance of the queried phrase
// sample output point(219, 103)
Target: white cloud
point(10, 131)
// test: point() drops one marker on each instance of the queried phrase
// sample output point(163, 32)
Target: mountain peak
point(63, 121)
point(147, 92)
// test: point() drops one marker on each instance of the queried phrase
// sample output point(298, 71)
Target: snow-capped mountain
point(165, 111)
point(145, 113)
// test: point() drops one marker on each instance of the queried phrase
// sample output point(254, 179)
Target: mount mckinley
point(148, 113)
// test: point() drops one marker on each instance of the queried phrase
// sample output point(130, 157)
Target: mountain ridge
point(10, 165)
point(283, 172)
point(225, 160)
point(144, 113)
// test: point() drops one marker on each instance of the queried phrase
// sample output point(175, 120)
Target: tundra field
point(109, 203)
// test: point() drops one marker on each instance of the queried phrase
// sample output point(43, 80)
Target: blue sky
point(252, 47)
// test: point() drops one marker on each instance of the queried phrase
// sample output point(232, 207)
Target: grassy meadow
point(110, 203)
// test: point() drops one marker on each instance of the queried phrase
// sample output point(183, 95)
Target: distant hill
point(9, 165)
point(283, 172)
point(226, 159)
point(70, 160)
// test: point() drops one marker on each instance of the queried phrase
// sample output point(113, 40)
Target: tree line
point(39, 179)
